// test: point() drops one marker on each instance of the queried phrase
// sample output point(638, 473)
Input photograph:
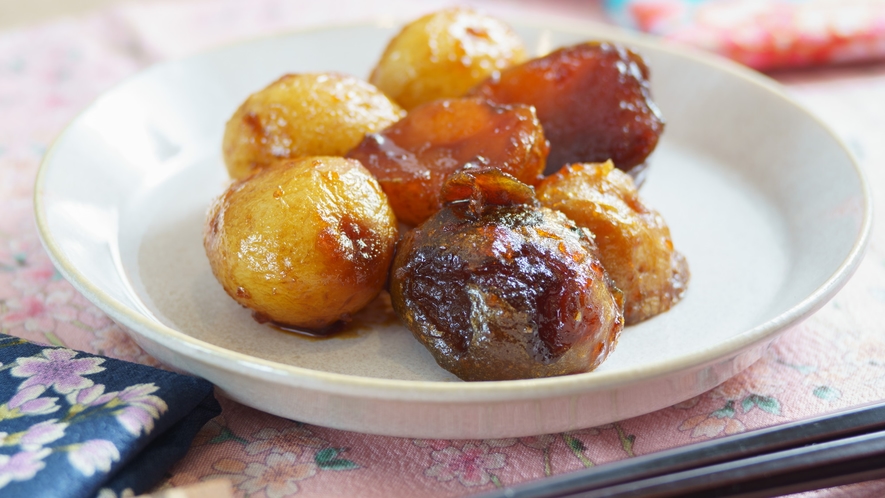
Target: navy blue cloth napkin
point(74, 424)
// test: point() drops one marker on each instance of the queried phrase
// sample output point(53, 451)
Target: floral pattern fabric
point(77, 425)
point(765, 34)
point(50, 72)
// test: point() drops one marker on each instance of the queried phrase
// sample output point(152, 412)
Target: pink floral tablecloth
point(49, 72)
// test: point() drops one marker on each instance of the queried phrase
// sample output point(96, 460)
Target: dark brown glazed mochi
point(497, 287)
point(592, 99)
point(412, 157)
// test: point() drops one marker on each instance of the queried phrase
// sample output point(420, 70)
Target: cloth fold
point(74, 424)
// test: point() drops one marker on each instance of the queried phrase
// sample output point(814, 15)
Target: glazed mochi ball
point(311, 114)
point(303, 244)
point(593, 100)
point(633, 240)
point(412, 157)
point(444, 54)
point(498, 288)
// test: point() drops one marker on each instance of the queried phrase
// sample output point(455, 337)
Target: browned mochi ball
point(592, 99)
point(633, 240)
point(310, 114)
point(304, 243)
point(497, 287)
point(444, 54)
point(412, 157)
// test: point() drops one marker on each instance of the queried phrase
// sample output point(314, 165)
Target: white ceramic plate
point(767, 205)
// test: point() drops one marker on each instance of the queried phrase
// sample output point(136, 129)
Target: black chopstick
point(819, 452)
point(833, 463)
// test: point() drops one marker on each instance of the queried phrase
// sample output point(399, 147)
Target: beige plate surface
point(767, 205)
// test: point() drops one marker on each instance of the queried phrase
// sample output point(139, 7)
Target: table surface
point(51, 70)
point(14, 13)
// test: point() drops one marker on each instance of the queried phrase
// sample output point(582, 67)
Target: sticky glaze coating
point(633, 241)
point(592, 99)
point(312, 114)
point(498, 288)
point(305, 243)
point(413, 157)
point(444, 54)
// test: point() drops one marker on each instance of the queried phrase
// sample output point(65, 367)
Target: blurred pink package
point(765, 34)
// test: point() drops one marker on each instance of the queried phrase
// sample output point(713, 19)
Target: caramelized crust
point(413, 157)
point(444, 54)
point(310, 114)
point(633, 240)
point(592, 99)
point(499, 288)
point(304, 244)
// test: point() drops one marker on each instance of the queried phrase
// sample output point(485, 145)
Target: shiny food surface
point(305, 243)
point(412, 158)
point(593, 101)
point(444, 54)
point(499, 288)
point(309, 114)
point(633, 240)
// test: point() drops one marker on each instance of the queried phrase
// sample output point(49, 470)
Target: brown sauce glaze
point(377, 313)
point(499, 288)
point(633, 241)
point(326, 331)
point(412, 158)
point(593, 100)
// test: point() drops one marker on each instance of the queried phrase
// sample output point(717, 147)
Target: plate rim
point(455, 391)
